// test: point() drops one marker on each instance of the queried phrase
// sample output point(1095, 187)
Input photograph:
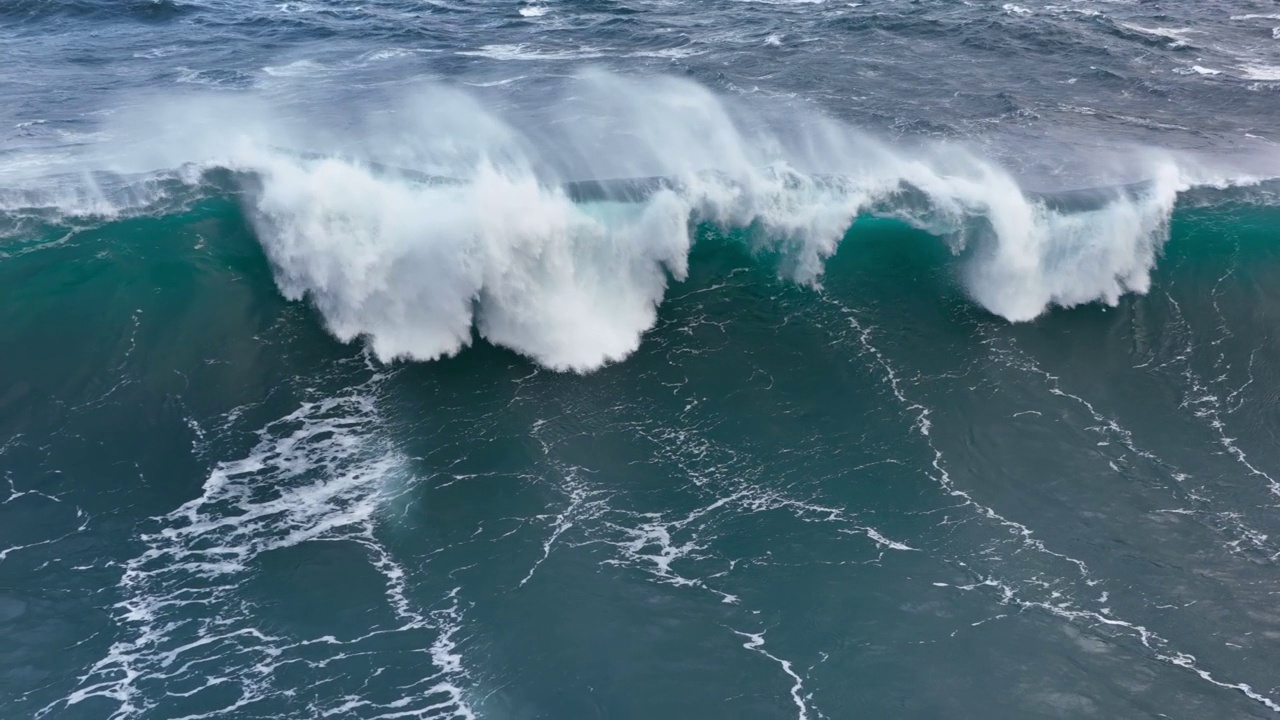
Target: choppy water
point(639, 359)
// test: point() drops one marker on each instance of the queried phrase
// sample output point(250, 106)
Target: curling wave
point(452, 219)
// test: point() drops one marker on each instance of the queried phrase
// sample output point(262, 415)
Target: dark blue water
point(639, 359)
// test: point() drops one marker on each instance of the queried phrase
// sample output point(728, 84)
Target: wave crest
point(448, 217)
point(413, 267)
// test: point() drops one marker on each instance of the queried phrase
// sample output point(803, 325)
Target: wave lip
point(1041, 257)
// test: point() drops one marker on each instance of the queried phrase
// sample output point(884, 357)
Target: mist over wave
point(441, 215)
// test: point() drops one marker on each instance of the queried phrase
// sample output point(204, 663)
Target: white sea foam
point(1197, 70)
point(497, 83)
point(755, 643)
point(1037, 592)
point(159, 52)
point(667, 53)
point(392, 53)
point(85, 196)
point(317, 474)
point(522, 51)
point(1178, 35)
point(1259, 71)
point(211, 78)
point(298, 68)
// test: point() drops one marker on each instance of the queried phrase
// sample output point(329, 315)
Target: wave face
point(309, 521)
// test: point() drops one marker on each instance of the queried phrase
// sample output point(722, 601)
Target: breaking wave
point(556, 234)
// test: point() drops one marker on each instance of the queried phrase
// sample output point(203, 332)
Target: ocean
point(639, 359)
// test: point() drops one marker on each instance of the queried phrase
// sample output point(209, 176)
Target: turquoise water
point(871, 499)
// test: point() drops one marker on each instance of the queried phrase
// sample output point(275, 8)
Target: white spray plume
point(416, 225)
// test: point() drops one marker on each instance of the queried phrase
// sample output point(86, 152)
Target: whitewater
point(411, 229)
